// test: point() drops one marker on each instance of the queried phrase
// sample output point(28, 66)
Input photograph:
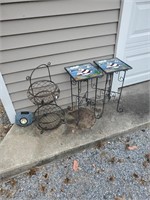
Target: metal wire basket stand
point(44, 94)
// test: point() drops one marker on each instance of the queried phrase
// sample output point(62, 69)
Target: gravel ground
point(4, 123)
point(118, 169)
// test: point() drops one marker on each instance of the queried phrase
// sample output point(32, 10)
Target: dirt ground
point(4, 123)
point(86, 117)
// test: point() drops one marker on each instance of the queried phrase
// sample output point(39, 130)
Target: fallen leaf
point(100, 144)
point(2, 191)
point(62, 190)
point(147, 156)
point(113, 160)
point(7, 192)
point(67, 180)
point(111, 178)
point(145, 164)
point(131, 148)
point(46, 175)
point(12, 182)
point(135, 175)
point(120, 198)
point(32, 172)
point(94, 165)
point(142, 181)
point(42, 188)
point(127, 139)
point(75, 165)
point(120, 160)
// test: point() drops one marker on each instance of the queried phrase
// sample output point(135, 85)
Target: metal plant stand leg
point(121, 79)
point(105, 89)
point(96, 116)
point(110, 85)
point(87, 92)
point(71, 82)
point(78, 103)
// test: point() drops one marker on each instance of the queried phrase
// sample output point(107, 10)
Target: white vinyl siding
point(62, 32)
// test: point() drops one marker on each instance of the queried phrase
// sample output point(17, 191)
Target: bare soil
point(86, 119)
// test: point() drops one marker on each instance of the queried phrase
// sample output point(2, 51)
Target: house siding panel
point(54, 8)
point(64, 33)
point(58, 22)
point(56, 48)
point(39, 38)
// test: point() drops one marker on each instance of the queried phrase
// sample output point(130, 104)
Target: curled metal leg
point(119, 109)
point(121, 79)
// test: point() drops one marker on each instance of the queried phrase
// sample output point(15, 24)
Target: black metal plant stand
point(44, 94)
point(81, 78)
point(110, 67)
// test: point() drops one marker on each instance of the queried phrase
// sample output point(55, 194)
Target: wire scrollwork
point(73, 81)
point(120, 76)
point(93, 84)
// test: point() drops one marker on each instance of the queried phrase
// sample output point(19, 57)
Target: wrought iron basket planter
point(49, 116)
point(44, 94)
point(43, 91)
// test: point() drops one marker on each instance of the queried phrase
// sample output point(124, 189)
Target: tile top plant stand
point(80, 75)
point(83, 72)
point(109, 67)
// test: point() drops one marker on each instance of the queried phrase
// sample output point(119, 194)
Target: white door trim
point(6, 101)
point(126, 8)
point(126, 11)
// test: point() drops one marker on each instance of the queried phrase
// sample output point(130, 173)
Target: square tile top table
point(83, 72)
point(112, 65)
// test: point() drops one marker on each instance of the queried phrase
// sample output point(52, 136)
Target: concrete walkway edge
point(21, 169)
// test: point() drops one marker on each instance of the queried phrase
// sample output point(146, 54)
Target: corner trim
point(6, 100)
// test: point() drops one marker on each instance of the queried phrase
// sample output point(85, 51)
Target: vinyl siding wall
point(64, 32)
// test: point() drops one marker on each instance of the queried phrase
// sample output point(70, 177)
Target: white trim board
point(6, 101)
point(126, 11)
